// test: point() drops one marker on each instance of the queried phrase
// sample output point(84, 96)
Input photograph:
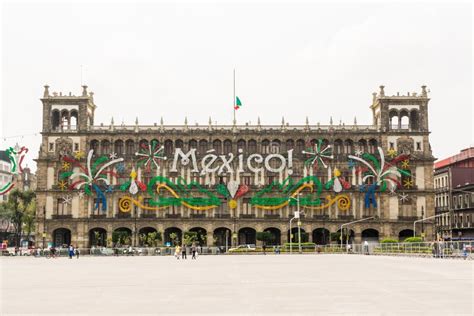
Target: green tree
point(265, 237)
point(20, 204)
point(174, 239)
point(190, 237)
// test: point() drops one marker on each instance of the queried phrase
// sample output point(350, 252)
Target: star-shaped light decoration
point(392, 190)
point(113, 156)
point(362, 188)
point(66, 165)
point(408, 183)
point(392, 153)
point(81, 194)
point(405, 164)
point(318, 154)
point(67, 199)
point(62, 185)
point(109, 189)
point(150, 155)
point(403, 197)
point(358, 152)
point(351, 163)
point(120, 167)
point(79, 155)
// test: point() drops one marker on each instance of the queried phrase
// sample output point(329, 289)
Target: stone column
point(210, 238)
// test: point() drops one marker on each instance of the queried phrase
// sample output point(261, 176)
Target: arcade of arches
point(221, 236)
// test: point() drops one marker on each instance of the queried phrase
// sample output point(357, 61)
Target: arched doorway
point(220, 236)
point(61, 237)
point(97, 237)
point(247, 236)
point(149, 237)
point(404, 234)
point(122, 237)
point(370, 235)
point(276, 240)
point(347, 237)
point(200, 235)
point(173, 236)
point(293, 235)
point(321, 236)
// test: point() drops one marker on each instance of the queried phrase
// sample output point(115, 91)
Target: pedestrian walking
point(71, 251)
point(176, 252)
point(183, 252)
point(77, 253)
point(264, 249)
point(366, 247)
point(193, 250)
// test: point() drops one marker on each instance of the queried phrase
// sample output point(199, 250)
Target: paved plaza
point(239, 284)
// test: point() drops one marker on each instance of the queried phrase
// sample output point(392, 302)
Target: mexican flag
point(238, 104)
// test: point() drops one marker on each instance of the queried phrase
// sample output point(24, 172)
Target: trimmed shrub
point(413, 239)
point(389, 241)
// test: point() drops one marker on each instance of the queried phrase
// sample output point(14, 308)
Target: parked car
point(243, 248)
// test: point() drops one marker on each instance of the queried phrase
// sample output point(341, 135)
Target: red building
point(454, 185)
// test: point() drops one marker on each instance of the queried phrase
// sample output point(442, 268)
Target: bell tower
point(400, 112)
point(67, 112)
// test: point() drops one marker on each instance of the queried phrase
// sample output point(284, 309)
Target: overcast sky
point(293, 60)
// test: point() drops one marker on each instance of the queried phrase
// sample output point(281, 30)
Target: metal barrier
point(454, 249)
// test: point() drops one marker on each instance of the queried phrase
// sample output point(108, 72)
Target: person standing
point(77, 253)
point(176, 252)
point(71, 251)
point(193, 250)
point(183, 252)
point(366, 247)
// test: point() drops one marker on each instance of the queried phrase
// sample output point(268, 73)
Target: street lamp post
point(44, 225)
point(425, 219)
point(422, 223)
point(346, 224)
point(297, 216)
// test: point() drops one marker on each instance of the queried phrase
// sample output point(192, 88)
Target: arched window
point(143, 144)
point(393, 115)
point(168, 147)
point(363, 145)
point(118, 147)
point(227, 146)
point(202, 146)
point(265, 146)
point(290, 144)
point(217, 146)
point(241, 144)
point(275, 146)
point(252, 146)
point(73, 121)
point(94, 145)
point(129, 147)
point(193, 144)
point(404, 119)
point(348, 146)
point(105, 147)
point(65, 119)
point(179, 144)
point(55, 120)
point(372, 146)
point(414, 120)
point(300, 146)
point(338, 148)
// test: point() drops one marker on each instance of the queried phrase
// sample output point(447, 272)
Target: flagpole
point(234, 99)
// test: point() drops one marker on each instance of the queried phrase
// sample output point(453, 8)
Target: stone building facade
point(278, 168)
